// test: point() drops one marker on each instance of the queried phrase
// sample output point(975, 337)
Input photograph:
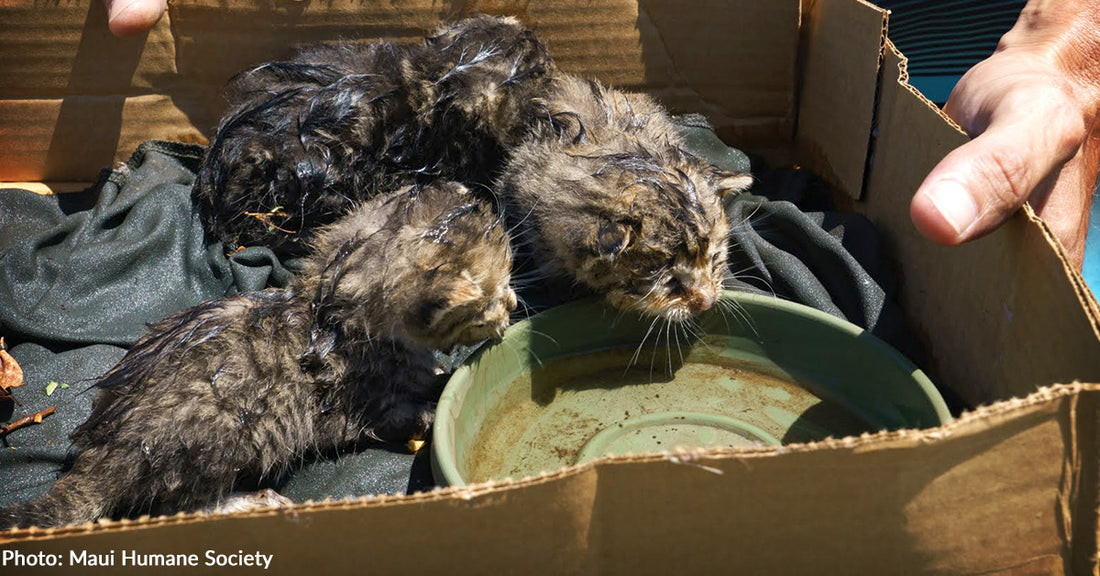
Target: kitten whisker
point(657, 340)
point(735, 309)
point(747, 220)
point(668, 343)
point(544, 335)
point(530, 353)
point(530, 275)
point(742, 270)
point(523, 220)
point(723, 311)
point(641, 344)
point(759, 281)
point(526, 309)
point(679, 350)
point(691, 330)
point(619, 312)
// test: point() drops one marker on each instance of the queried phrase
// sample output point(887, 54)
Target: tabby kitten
point(304, 139)
point(595, 180)
point(602, 194)
point(242, 388)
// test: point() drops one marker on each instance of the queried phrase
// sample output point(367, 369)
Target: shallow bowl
point(583, 380)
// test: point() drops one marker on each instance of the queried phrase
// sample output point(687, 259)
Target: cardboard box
point(1010, 488)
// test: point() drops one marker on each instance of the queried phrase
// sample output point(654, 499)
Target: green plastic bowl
point(583, 380)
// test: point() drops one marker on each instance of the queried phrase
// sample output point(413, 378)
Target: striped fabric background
point(944, 38)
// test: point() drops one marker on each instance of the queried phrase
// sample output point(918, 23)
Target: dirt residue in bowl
point(545, 417)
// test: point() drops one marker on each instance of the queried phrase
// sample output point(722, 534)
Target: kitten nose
point(700, 301)
point(498, 332)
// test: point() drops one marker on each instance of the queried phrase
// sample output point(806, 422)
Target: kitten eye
point(568, 126)
point(612, 238)
point(431, 273)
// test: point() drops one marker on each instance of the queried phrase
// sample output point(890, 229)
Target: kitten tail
point(73, 499)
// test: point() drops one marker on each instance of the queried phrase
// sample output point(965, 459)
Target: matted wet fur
point(303, 139)
point(243, 388)
point(594, 180)
point(603, 197)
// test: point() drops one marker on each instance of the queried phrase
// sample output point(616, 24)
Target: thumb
point(980, 184)
point(128, 18)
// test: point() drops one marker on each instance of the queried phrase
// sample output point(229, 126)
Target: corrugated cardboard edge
point(769, 510)
point(1085, 296)
point(976, 306)
point(842, 47)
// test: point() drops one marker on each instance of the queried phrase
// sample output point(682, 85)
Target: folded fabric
point(80, 277)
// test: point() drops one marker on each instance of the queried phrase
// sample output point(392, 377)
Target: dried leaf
point(11, 375)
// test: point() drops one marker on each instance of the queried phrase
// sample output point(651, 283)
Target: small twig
point(26, 421)
point(265, 217)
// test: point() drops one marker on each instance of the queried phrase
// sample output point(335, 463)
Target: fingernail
point(954, 204)
point(117, 8)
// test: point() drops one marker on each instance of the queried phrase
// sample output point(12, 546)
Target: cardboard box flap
point(842, 43)
point(76, 99)
point(744, 83)
point(781, 510)
point(980, 308)
point(541, 527)
point(885, 500)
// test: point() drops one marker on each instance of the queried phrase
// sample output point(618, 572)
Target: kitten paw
point(249, 501)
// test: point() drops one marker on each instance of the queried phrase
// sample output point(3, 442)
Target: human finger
point(128, 18)
point(979, 185)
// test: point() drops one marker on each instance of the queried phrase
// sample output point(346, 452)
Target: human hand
point(1030, 107)
point(128, 18)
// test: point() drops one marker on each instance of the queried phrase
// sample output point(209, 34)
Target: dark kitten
point(306, 138)
point(603, 195)
point(242, 388)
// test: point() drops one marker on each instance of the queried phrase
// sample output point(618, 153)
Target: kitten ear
point(727, 182)
point(612, 238)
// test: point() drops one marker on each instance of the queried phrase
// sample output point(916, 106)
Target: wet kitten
point(601, 194)
point(594, 179)
point(306, 138)
point(242, 388)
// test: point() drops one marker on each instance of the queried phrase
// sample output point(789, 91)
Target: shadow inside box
point(377, 468)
